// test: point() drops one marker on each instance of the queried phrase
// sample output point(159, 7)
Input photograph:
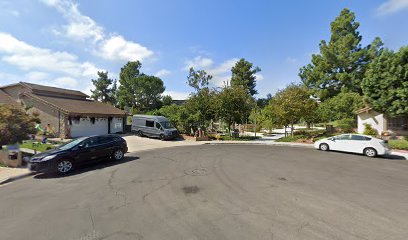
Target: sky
point(64, 43)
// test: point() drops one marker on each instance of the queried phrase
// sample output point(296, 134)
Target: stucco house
point(69, 113)
point(381, 122)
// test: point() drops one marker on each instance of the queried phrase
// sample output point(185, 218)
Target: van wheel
point(324, 147)
point(370, 152)
point(139, 133)
point(162, 137)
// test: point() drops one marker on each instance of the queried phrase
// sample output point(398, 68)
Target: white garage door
point(116, 125)
point(89, 126)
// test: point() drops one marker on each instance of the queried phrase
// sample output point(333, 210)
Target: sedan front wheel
point(64, 166)
point(324, 147)
point(118, 154)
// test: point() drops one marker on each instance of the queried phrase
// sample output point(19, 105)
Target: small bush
point(346, 125)
point(369, 130)
point(290, 138)
point(398, 144)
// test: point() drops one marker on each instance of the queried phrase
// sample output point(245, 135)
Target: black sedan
point(78, 152)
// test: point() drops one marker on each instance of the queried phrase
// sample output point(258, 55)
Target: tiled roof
point(77, 106)
point(53, 89)
point(6, 99)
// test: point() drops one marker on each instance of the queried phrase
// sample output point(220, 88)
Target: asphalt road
point(215, 192)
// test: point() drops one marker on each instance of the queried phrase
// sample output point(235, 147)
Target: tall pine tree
point(342, 62)
point(103, 91)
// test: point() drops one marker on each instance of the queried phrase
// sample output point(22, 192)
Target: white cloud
point(67, 82)
point(162, 73)
point(14, 13)
point(83, 28)
point(198, 63)
point(79, 27)
point(291, 60)
point(36, 76)
point(221, 73)
point(392, 6)
point(116, 47)
point(30, 58)
point(259, 77)
point(176, 95)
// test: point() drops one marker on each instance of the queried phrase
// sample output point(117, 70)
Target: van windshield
point(166, 125)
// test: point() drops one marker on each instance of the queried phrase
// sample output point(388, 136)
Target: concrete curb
point(14, 178)
point(261, 143)
point(398, 153)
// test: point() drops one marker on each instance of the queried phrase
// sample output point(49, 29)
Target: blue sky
point(64, 42)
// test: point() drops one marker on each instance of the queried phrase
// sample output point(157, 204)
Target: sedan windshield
point(71, 144)
point(166, 125)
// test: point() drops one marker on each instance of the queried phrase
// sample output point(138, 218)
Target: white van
point(153, 126)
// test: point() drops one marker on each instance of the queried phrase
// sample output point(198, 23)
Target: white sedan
point(354, 143)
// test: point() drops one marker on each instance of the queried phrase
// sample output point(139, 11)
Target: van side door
point(149, 128)
point(159, 129)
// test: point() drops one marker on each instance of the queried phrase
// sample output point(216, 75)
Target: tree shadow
point(105, 163)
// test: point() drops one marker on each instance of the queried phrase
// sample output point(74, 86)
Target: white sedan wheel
point(324, 147)
point(370, 152)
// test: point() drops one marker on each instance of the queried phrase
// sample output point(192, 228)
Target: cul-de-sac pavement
point(214, 192)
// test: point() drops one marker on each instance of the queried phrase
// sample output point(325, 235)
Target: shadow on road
point(393, 157)
point(87, 168)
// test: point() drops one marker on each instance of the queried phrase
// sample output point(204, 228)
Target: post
point(255, 122)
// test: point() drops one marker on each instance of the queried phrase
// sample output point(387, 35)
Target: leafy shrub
point(398, 144)
point(369, 130)
point(290, 138)
point(346, 125)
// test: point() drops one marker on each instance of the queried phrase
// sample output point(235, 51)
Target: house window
point(398, 123)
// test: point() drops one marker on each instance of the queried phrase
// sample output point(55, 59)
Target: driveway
point(215, 192)
point(137, 144)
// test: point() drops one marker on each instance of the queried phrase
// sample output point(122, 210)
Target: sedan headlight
point(48, 157)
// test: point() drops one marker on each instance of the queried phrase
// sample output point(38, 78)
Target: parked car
point(354, 143)
point(78, 152)
point(153, 126)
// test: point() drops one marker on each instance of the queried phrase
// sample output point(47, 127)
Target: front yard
point(38, 146)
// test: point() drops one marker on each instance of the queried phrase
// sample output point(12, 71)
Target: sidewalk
point(292, 144)
point(11, 174)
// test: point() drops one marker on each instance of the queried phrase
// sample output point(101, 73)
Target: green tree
point(342, 62)
point(167, 100)
point(244, 74)
point(262, 102)
point(103, 91)
point(137, 90)
point(339, 107)
point(234, 105)
point(198, 79)
point(201, 106)
point(311, 115)
point(178, 115)
point(386, 83)
point(15, 125)
point(289, 105)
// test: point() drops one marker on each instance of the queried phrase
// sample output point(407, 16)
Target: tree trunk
point(291, 129)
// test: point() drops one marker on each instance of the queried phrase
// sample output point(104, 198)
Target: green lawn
point(33, 145)
point(398, 144)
